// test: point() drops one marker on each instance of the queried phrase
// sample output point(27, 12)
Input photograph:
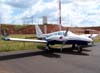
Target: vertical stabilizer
point(38, 31)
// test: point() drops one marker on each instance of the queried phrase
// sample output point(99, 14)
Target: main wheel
point(48, 48)
point(79, 49)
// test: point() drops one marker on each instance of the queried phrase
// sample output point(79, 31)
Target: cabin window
point(60, 33)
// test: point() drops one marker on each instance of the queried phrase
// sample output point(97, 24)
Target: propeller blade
point(4, 33)
point(66, 32)
point(90, 36)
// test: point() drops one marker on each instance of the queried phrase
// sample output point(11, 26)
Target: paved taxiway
point(55, 62)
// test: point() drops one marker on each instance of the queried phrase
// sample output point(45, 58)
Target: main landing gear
point(48, 47)
point(77, 48)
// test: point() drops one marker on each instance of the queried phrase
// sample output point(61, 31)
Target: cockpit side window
point(56, 33)
point(60, 33)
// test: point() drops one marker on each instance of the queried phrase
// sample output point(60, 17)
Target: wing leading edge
point(25, 40)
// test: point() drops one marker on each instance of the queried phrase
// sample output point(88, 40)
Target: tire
point(79, 49)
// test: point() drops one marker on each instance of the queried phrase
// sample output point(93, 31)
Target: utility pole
point(32, 20)
point(0, 29)
point(0, 26)
point(45, 24)
point(59, 2)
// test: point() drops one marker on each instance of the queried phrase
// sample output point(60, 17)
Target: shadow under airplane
point(51, 53)
point(29, 54)
point(67, 50)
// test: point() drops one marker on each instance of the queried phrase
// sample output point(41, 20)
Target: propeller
point(4, 33)
point(91, 36)
point(66, 33)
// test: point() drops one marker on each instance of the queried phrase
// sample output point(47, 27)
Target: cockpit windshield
point(57, 33)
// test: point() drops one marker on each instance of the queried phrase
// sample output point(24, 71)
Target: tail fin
point(38, 31)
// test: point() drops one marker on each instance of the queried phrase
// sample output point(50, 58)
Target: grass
point(97, 39)
point(6, 46)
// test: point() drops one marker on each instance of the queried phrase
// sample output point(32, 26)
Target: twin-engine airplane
point(59, 37)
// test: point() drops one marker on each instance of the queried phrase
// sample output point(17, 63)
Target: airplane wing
point(25, 40)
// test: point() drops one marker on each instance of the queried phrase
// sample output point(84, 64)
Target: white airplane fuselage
point(59, 37)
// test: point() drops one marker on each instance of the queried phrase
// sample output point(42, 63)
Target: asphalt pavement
point(41, 61)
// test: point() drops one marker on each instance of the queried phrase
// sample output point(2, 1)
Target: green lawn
point(6, 46)
point(97, 39)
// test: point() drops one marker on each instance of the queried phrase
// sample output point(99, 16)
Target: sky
point(76, 13)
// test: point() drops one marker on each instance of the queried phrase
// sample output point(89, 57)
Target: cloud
point(5, 13)
point(21, 3)
point(66, 1)
point(74, 12)
point(88, 22)
point(47, 1)
point(38, 10)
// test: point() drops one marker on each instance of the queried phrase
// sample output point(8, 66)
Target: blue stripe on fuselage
point(79, 42)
